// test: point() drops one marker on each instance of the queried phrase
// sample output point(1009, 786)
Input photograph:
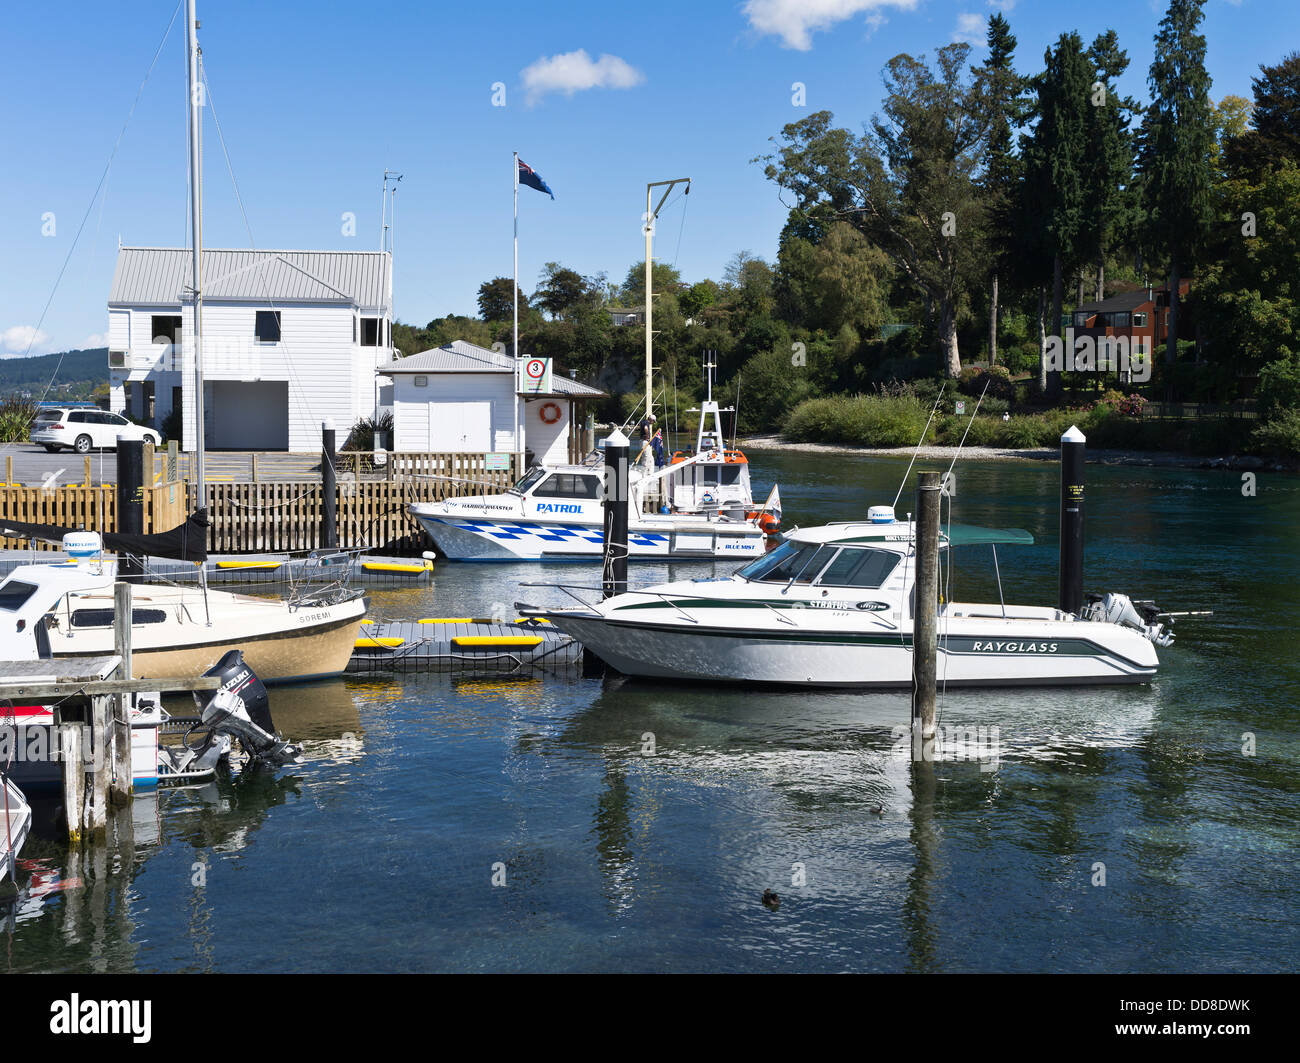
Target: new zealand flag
point(530, 177)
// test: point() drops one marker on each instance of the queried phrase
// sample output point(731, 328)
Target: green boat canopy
point(969, 535)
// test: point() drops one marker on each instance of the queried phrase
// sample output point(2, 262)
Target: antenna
point(387, 220)
point(710, 367)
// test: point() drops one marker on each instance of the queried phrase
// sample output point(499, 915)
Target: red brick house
point(1143, 313)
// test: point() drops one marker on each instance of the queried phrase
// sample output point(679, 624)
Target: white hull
point(281, 643)
point(1025, 653)
point(460, 537)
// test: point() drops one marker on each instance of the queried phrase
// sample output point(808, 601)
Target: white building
point(290, 339)
point(462, 398)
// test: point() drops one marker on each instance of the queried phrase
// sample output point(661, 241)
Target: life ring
point(550, 412)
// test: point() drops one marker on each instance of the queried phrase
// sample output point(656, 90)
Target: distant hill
point(79, 375)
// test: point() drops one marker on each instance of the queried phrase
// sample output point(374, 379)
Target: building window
point(372, 333)
point(421, 381)
point(1119, 319)
point(1139, 320)
point(1080, 319)
point(267, 328)
point(166, 328)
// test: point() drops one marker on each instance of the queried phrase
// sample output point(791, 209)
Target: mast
point(650, 215)
point(196, 237)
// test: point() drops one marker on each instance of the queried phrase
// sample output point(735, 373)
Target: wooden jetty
point(463, 644)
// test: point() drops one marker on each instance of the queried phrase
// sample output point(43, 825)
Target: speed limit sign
point(535, 376)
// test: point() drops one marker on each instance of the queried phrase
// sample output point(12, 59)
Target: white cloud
point(572, 72)
point(1009, 5)
point(18, 338)
point(971, 29)
point(874, 22)
point(97, 339)
point(795, 21)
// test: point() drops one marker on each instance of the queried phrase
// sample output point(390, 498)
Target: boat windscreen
point(798, 562)
point(14, 594)
point(529, 481)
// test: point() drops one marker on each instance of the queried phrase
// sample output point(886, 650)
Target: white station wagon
point(84, 429)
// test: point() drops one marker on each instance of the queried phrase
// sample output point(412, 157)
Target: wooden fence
point(93, 508)
point(274, 515)
point(371, 503)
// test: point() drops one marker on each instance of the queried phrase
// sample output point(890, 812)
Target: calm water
point(376, 853)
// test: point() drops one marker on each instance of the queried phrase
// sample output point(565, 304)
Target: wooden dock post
point(87, 470)
point(74, 777)
point(122, 781)
point(9, 468)
point(925, 623)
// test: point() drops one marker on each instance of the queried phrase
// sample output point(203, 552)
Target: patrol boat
point(833, 607)
point(555, 513)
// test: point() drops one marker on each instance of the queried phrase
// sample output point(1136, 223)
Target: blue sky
point(316, 100)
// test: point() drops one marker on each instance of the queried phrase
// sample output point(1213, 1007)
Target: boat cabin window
point(723, 475)
point(799, 562)
point(530, 478)
point(858, 567)
point(14, 594)
point(104, 617)
point(569, 485)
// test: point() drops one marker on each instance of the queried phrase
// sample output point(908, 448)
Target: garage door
point(249, 416)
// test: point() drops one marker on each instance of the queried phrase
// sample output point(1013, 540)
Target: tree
point(664, 278)
point(1275, 120)
point(563, 290)
point(1054, 198)
point(843, 281)
point(494, 300)
point(1176, 139)
point(1108, 185)
point(908, 185)
point(1003, 89)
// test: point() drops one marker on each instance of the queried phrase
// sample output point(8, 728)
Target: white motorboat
point(18, 822)
point(833, 606)
point(556, 513)
point(182, 630)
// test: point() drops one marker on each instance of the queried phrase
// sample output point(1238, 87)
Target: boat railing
point(323, 579)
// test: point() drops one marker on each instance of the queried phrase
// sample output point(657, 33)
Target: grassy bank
point(897, 421)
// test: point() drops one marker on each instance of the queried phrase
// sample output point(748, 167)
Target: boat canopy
point(970, 535)
point(901, 531)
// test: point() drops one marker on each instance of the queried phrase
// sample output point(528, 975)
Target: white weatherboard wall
point(315, 361)
point(548, 442)
point(460, 412)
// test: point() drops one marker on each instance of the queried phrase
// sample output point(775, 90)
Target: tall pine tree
point(1054, 201)
point(1002, 93)
point(1110, 156)
point(1176, 139)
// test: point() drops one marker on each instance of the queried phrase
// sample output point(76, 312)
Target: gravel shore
point(1100, 457)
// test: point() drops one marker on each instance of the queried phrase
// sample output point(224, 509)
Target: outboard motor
point(1122, 610)
point(240, 709)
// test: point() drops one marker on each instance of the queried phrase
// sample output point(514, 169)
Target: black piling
point(613, 579)
point(329, 524)
point(130, 502)
point(1070, 575)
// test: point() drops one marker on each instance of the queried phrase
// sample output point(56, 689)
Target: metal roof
point(1119, 303)
point(459, 356)
point(161, 276)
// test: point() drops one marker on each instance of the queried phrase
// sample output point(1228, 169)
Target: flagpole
point(514, 385)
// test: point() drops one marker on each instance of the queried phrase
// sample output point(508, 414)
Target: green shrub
point(16, 416)
point(1023, 433)
point(362, 436)
point(1279, 387)
point(863, 420)
point(1280, 434)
